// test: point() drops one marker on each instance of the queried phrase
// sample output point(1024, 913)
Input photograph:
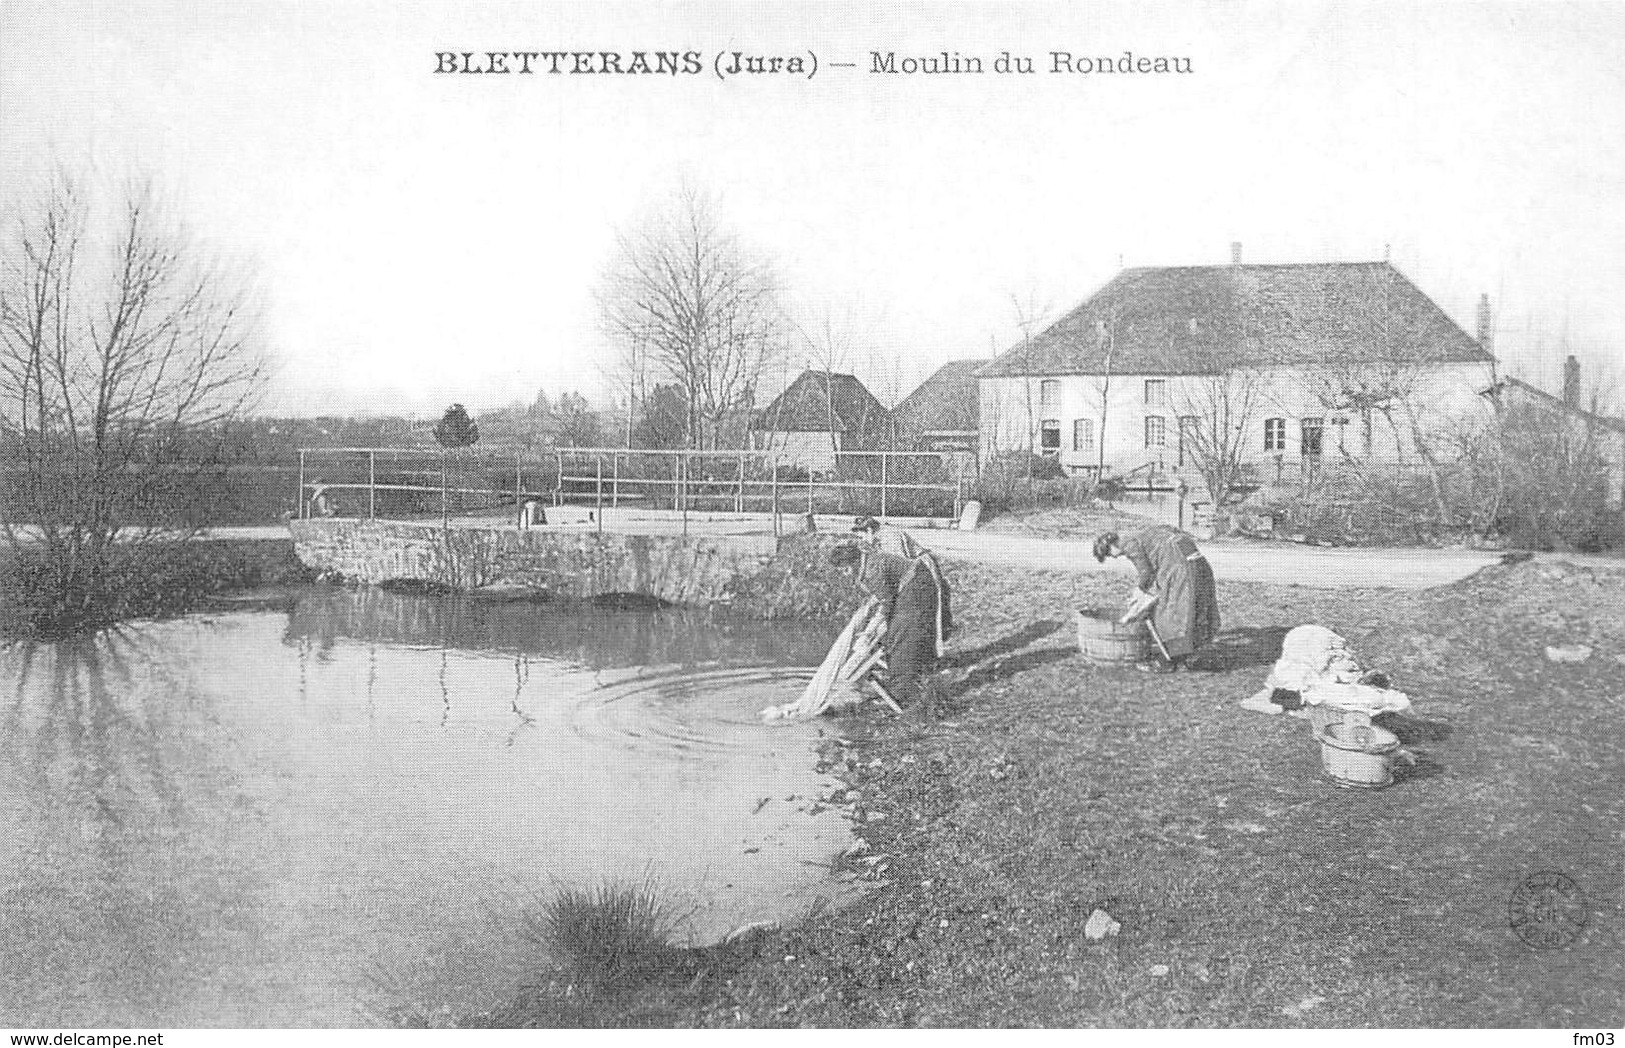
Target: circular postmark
point(1547, 910)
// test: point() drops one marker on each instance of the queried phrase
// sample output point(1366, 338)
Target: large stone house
point(1300, 363)
point(818, 416)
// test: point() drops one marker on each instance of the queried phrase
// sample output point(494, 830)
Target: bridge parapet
point(690, 571)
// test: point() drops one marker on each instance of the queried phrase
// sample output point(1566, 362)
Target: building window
point(1083, 434)
point(1190, 438)
point(1275, 434)
point(1156, 393)
point(1049, 436)
point(1313, 428)
point(1049, 393)
point(1156, 431)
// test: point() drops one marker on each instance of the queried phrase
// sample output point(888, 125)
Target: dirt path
point(1278, 563)
point(1233, 560)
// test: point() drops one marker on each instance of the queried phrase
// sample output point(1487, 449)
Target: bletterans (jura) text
point(737, 64)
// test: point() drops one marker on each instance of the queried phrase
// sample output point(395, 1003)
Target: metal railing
point(879, 482)
point(371, 472)
point(747, 481)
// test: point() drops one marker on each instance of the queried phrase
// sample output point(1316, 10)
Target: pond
point(317, 816)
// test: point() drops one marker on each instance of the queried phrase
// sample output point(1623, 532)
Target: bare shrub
point(1023, 481)
point(1539, 477)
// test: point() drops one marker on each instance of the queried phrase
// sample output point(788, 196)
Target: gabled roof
point(945, 402)
point(1201, 319)
point(1552, 402)
point(804, 406)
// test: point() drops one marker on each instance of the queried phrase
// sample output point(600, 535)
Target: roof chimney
point(1486, 334)
point(1571, 382)
point(1235, 252)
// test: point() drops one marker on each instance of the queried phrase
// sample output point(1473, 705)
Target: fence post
point(615, 482)
point(372, 484)
point(599, 513)
point(739, 496)
point(775, 489)
point(299, 496)
point(518, 484)
point(682, 487)
point(883, 457)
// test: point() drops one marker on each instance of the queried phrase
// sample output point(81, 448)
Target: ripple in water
point(717, 711)
point(259, 819)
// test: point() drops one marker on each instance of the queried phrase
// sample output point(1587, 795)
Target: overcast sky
point(421, 238)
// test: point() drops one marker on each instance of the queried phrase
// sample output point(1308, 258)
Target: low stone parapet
point(564, 564)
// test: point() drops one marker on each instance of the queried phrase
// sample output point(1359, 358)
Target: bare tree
point(121, 344)
point(688, 300)
point(1388, 382)
point(1545, 471)
point(1031, 315)
point(1102, 385)
point(627, 371)
point(828, 346)
point(1367, 391)
point(888, 376)
point(1224, 404)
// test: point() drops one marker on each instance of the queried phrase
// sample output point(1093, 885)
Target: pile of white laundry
point(1317, 668)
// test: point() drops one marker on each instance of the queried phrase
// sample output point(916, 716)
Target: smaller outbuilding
point(943, 413)
point(1566, 426)
point(820, 415)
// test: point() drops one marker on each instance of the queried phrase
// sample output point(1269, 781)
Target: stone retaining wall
point(571, 564)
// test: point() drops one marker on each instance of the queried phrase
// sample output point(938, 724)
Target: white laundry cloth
point(1318, 664)
point(1312, 655)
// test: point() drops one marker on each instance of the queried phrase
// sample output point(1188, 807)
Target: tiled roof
point(1551, 402)
point(1200, 319)
point(947, 401)
point(804, 406)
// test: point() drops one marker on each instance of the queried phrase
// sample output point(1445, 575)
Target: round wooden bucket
point(1101, 639)
point(1359, 756)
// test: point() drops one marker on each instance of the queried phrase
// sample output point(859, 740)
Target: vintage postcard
point(836, 515)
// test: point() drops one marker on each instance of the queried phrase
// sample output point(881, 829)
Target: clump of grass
point(610, 936)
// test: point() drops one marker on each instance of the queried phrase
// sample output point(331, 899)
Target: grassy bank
point(799, 582)
point(152, 582)
point(1250, 890)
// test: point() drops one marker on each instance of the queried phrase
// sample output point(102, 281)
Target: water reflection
point(101, 746)
point(260, 819)
point(582, 635)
